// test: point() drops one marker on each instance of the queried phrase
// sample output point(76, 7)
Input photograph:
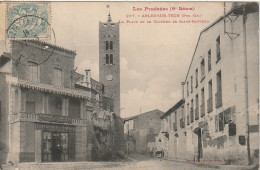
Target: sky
point(154, 56)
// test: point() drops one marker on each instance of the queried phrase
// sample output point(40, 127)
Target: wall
point(4, 125)
point(145, 127)
point(33, 51)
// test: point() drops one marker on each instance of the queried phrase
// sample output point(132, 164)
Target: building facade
point(47, 109)
point(141, 130)
point(172, 137)
point(221, 93)
point(221, 89)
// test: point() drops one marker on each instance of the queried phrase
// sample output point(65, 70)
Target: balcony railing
point(202, 110)
point(47, 118)
point(197, 113)
point(210, 105)
point(191, 115)
point(182, 123)
point(218, 98)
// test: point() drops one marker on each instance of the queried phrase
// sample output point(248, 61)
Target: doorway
point(199, 144)
point(55, 147)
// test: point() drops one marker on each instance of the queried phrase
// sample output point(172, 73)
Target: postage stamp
point(27, 20)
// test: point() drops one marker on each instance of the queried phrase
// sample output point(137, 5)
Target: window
point(111, 45)
point(191, 84)
point(191, 112)
point(107, 45)
point(209, 60)
point(30, 107)
point(33, 71)
point(219, 87)
point(202, 106)
point(202, 67)
point(210, 89)
point(218, 48)
point(107, 59)
point(74, 108)
point(196, 74)
point(57, 77)
point(187, 88)
point(221, 121)
point(210, 103)
point(197, 107)
point(188, 113)
point(218, 95)
point(111, 59)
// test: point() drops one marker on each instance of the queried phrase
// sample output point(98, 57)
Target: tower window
point(111, 59)
point(111, 45)
point(107, 59)
point(107, 45)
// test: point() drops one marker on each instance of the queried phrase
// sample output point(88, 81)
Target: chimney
point(88, 76)
point(182, 85)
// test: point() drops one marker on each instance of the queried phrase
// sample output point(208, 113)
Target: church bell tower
point(109, 61)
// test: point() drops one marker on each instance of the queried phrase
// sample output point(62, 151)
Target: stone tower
point(109, 61)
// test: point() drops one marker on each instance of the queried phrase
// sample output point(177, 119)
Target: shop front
point(54, 143)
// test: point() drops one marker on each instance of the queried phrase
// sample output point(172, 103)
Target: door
point(199, 145)
point(55, 147)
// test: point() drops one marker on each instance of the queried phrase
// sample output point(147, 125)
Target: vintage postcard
point(129, 85)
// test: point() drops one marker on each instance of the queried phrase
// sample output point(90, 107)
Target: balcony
point(202, 110)
point(210, 105)
point(182, 123)
point(218, 98)
point(191, 115)
point(197, 113)
point(46, 118)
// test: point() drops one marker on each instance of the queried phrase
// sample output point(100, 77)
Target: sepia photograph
point(118, 85)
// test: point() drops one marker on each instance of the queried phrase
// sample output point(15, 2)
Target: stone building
point(172, 137)
point(45, 103)
point(141, 130)
point(221, 90)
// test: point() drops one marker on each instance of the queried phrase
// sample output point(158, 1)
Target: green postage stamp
point(27, 20)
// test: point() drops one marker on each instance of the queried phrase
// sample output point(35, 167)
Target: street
point(135, 161)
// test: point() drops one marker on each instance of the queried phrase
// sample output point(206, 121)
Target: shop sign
point(55, 118)
point(57, 128)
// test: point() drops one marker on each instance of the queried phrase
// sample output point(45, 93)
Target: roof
point(174, 108)
point(249, 8)
point(42, 43)
point(149, 112)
